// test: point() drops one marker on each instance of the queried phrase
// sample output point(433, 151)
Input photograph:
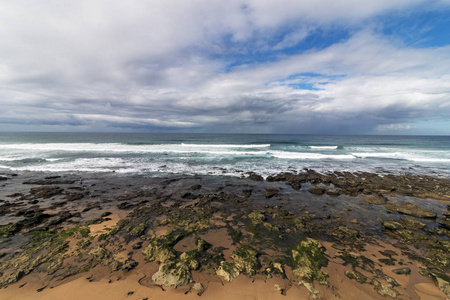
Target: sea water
point(223, 154)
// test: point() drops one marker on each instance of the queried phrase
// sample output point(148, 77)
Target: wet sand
point(112, 231)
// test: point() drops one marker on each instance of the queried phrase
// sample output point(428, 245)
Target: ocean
point(223, 154)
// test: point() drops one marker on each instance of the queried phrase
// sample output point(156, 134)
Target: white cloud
point(163, 63)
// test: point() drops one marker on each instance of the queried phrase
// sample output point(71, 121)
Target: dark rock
point(124, 205)
point(44, 192)
point(2, 178)
point(49, 181)
point(388, 261)
point(136, 246)
point(34, 219)
point(270, 193)
point(196, 187)
point(402, 271)
point(254, 176)
point(317, 190)
point(74, 197)
point(359, 277)
point(15, 195)
point(129, 264)
point(61, 218)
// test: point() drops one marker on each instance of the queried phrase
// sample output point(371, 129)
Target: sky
point(235, 66)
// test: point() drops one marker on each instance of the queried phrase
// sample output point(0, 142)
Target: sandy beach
point(289, 236)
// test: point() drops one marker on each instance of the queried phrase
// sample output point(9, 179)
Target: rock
point(100, 252)
point(388, 261)
point(124, 205)
point(442, 281)
point(359, 277)
point(308, 259)
point(377, 200)
point(445, 221)
point(199, 288)
point(275, 268)
point(49, 181)
point(228, 271)
point(415, 211)
point(278, 288)
point(402, 271)
point(392, 225)
point(254, 176)
point(246, 260)
point(160, 249)
point(9, 230)
point(333, 192)
point(384, 289)
point(317, 190)
point(412, 224)
point(172, 276)
point(196, 187)
point(338, 246)
point(256, 217)
point(44, 192)
point(129, 264)
point(271, 193)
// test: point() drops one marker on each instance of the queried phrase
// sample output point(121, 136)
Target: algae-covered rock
point(445, 221)
point(308, 259)
point(392, 225)
point(384, 289)
point(246, 260)
point(402, 271)
point(358, 276)
point(415, 211)
point(275, 268)
point(199, 288)
point(129, 264)
point(177, 272)
point(412, 224)
point(256, 217)
point(359, 261)
point(228, 271)
point(161, 249)
point(202, 245)
point(8, 230)
point(100, 252)
point(170, 275)
point(376, 199)
point(442, 281)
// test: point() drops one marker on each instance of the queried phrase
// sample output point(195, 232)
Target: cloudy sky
point(255, 66)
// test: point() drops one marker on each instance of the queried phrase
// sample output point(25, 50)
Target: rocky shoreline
point(308, 234)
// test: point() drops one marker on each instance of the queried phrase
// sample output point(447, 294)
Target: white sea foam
point(323, 147)
point(306, 155)
point(225, 146)
point(116, 147)
point(410, 156)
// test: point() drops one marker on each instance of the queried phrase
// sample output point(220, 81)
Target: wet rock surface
point(274, 224)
